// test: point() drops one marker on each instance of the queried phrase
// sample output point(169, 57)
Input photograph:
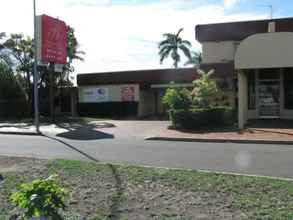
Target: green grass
point(264, 197)
point(257, 197)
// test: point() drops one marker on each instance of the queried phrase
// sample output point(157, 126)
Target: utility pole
point(52, 94)
point(36, 95)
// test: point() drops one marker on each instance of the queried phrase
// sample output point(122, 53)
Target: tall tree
point(20, 49)
point(172, 45)
point(196, 59)
point(2, 35)
point(73, 53)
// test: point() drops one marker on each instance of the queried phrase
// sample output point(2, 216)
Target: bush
point(41, 198)
point(205, 105)
point(177, 98)
point(13, 108)
point(201, 117)
point(205, 90)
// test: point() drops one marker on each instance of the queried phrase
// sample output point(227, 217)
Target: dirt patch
point(104, 191)
point(12, 164)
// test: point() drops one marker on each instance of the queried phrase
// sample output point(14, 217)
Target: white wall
point(218, 52)
point(267, 50)
point(146, 104)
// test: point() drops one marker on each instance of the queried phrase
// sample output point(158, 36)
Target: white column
point(242, 99)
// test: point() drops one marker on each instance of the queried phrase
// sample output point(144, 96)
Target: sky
point(119, 35)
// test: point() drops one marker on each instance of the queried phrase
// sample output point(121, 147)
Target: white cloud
point(117, 37)
point(230, 3)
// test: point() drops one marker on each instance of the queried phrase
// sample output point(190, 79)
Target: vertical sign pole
point(52, 96)
point(36, 96)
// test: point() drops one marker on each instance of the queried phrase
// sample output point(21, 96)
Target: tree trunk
point(176, 64)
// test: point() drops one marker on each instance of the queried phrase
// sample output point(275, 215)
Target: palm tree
point(196, 59)
point(171, 45)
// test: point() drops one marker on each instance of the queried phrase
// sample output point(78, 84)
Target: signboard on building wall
point(128, 94)
point(92, 95)
point(51, 40)
point(109, 93)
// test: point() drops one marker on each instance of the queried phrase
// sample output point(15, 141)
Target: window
point(288, 88)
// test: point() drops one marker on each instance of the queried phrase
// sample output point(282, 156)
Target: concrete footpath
point(153, 130)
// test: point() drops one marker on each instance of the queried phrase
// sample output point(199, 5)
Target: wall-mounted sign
point(51, 40)
point(92, 95)
point(128, 94)
point(109, 93)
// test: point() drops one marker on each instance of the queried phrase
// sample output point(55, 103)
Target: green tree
point(73, 53)
point(20, 50)
point(176, 97)
point(2, 35)
point(9, 87)
point(195, 59)
point(172, 45)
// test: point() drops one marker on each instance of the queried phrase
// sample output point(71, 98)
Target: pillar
point(242, 99)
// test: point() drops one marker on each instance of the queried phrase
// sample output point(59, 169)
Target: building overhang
point(267, 50)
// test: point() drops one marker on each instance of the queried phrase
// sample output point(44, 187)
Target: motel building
point(253, 63)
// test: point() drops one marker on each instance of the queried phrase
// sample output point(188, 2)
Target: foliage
point(17, 52)
point(171, 45)
point(176, 98)
point(42, 197)
point(9, 87)
point(195, 59)
point(205, 89)
point(201, 117)
point(203, 106)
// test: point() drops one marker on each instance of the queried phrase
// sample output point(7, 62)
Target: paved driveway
point(136, 129)
point(271, 160)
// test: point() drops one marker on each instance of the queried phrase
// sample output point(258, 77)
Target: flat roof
point(237, 31)
point(153, 76)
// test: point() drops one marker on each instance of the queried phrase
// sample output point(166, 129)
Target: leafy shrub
point(201, 117)
point(206, 105)
point(205, 90)
point(41, 197)
point(177, 98)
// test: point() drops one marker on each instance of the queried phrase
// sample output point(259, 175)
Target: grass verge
point(104, 191)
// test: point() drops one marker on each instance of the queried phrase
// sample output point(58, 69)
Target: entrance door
point(269, 99)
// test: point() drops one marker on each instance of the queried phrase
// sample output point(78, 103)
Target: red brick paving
point(267, 134)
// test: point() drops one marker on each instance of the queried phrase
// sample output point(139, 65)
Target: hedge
point(15, 108)
point(201, 118)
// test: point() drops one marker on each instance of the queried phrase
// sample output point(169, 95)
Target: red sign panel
point(128, 94)
point(54, 40)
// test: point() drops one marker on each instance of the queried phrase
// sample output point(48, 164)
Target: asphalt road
point(256, 159)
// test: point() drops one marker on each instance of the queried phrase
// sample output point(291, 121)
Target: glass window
point(288, 88)
point(267, 74)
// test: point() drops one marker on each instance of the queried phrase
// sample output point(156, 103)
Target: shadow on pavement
point(83, 132)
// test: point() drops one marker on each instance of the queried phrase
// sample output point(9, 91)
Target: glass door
point(269, 98)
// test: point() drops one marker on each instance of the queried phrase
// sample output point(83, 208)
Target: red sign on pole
point(52, 40)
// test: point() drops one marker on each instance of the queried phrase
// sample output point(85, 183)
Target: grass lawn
point(102, 191)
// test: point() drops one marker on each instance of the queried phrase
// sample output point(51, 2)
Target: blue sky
point(123, 34)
